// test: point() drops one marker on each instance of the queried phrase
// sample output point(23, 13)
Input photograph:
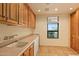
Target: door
point(77, 31)
point(73, 29)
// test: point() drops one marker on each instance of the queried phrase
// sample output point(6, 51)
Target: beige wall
point(11, 30)
point(64, 31)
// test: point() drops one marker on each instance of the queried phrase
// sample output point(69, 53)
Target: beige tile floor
point(56, 51)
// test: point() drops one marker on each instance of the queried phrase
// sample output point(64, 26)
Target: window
point(53, 27)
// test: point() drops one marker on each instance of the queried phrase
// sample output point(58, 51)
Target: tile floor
point(56, 51)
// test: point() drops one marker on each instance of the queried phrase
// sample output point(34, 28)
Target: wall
point(64, 30)
point(11, 30)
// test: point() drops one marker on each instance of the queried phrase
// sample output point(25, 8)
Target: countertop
point(17, 51)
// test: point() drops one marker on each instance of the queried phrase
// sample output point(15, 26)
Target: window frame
point(52, 30)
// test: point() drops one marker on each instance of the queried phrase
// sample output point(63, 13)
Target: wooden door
point(73, 36)
point(77, 30)
point(74, 30)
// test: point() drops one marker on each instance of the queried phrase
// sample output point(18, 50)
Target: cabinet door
point(12, 13)
point(4, 10)
point(22, 54)
point(26, 53)
point(1, 9)
point(31, 19)
point(21, 10)
point(8, 10)
point(31, 50)
point(25, 13)
point(13, 9)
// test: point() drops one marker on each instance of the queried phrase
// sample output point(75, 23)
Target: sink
point(18, 44)
point(21, 44)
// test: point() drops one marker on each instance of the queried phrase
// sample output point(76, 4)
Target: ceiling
point(49, 8)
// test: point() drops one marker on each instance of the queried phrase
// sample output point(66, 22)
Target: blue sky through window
point(52, 26)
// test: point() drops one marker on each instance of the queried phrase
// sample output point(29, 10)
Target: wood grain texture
point(75, 30)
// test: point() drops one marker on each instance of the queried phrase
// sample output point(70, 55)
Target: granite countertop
point(17, 51)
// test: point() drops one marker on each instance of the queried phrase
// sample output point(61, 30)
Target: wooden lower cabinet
point(29, 51)
point(26, 53)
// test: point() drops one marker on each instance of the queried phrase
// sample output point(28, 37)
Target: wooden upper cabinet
point(32, 19)
point(26, 15)
point(1, 7)
point(2, 13)
point(4, 10)
point(8, 10)
point(13, 11)
point(23, 14)
point(21, 10)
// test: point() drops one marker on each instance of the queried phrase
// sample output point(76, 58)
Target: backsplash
point(12, 30)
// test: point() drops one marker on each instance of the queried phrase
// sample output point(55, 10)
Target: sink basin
point(18, 44)
point(21, 44)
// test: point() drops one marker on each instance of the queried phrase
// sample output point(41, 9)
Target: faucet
point(9, 37)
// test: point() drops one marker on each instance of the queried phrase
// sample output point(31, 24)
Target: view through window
point(53, 27)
